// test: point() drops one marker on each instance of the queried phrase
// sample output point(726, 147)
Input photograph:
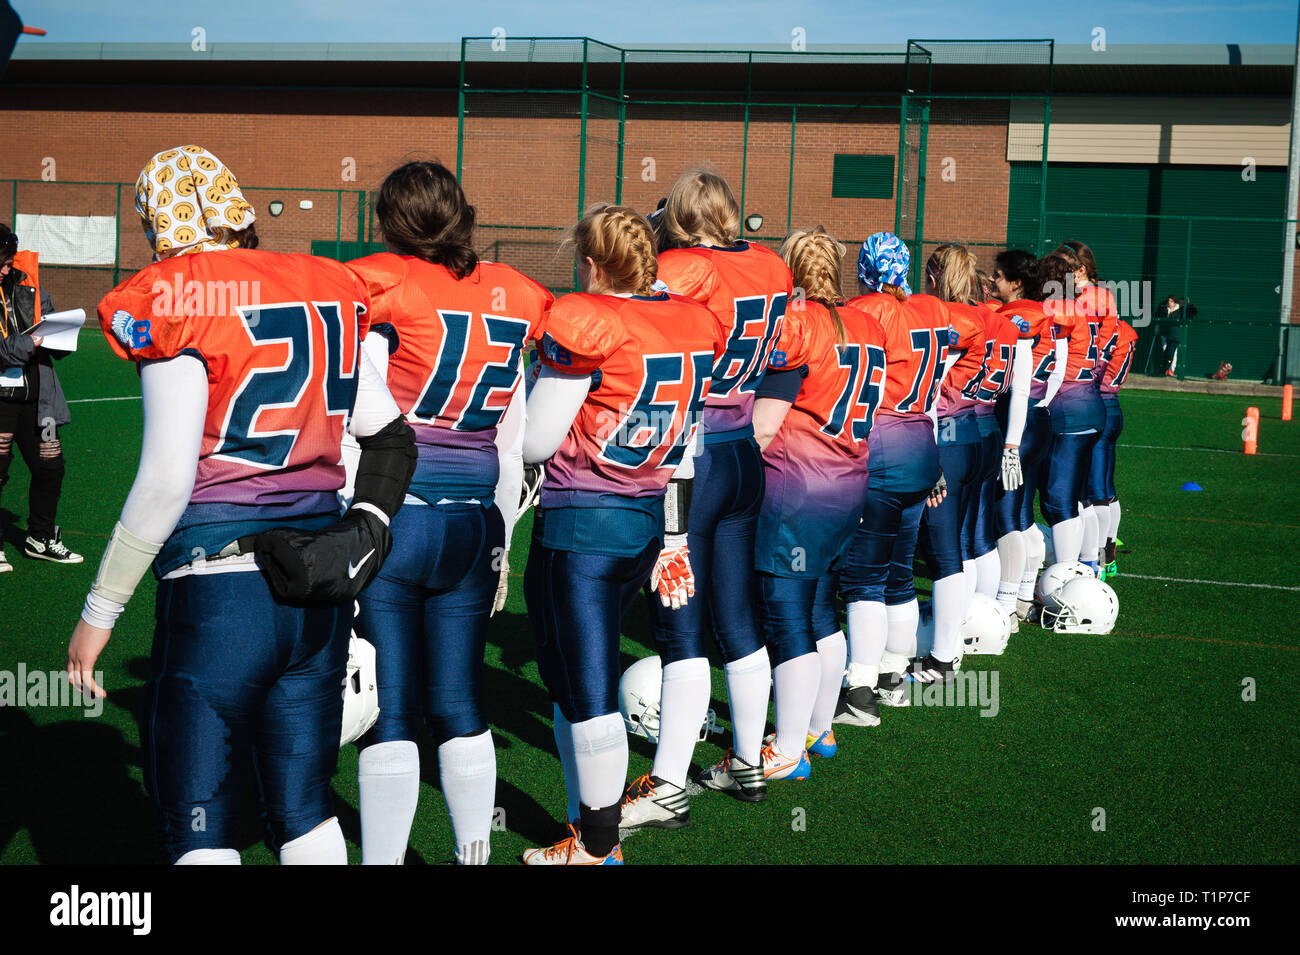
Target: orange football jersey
point(917, 335)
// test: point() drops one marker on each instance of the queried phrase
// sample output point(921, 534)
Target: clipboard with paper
point(59, 329)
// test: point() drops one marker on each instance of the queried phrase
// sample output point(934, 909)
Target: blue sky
point(718, 22)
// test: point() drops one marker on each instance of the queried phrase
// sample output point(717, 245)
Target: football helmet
point(639, 692)
point(360, 691)
point(986, 628)
point(1054, 578)
point(1084, 605)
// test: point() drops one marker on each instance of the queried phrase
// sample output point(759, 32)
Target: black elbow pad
point(387, 463)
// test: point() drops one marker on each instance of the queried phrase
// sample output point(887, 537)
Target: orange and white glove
point(672, 576)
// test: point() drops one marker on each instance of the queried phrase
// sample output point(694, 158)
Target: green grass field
point(1148, 723)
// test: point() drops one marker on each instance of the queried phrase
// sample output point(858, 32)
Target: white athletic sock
point(467, 769)
point(1088, 546)
point(324, 845)
point(600, 753)
point(1114, 520)
point(388, 779)
point(796, 684)
point(1067, 539)
point(832, 656)
point(903, 621)
point(970, 579)
point(683, 705)
point(868, 629)
point(1013, 562)
point(564, 746)
point(209, 857)
point(1035, 554)
point(748, 682)
point(1103, 529)
point(891, 662)
point(988, 573)
point(949, 611)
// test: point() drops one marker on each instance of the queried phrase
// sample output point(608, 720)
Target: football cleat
point(51, 549)
point(858, 706)
point(5, 566)
point(571, 851)
point(777, 765)
point(929, 670)
point(823, 746)
point(655, 803)
point(735, 776)
point(892, 690)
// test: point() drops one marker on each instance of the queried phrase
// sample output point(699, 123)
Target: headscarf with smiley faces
point(189, 201)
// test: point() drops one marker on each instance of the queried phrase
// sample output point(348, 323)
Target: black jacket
point(18, 351)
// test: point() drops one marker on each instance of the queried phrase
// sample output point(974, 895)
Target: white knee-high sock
point(600, 753)
point(209, 857)
point(324, 845)
point(1114, 520)
point(748, 681)
point(1067, 539)
point(949, 611)
point(868, 629)
point(467, 768)
point(683, 705)
point(903, 620)
point(970, 578)
point(1035, 554)
point(1088, 546)
point(988, 573)
point(796, 682)
point(1102, 512)
point(388, 780)
point(832, 655)
point(564, 746)
point(1012, 560)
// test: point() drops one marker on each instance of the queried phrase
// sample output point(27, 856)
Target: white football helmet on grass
point(986, 629)
point(639, 693)
point(1054, 578)
point(1084, 605)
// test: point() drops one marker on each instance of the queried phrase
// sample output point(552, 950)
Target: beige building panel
point(1219, 131)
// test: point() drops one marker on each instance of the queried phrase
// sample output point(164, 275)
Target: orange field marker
point(1286, 402)
point(1250, 430)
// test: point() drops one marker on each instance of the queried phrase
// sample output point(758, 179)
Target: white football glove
point(1012, 476)
point(503, 587)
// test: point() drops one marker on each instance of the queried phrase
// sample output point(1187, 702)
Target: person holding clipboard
point(32, 405)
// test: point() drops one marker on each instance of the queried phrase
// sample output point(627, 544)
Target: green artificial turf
point(1147, 724)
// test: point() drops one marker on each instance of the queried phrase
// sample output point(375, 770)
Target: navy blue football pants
point(1066, 470)
point(796, 613)
point(576, 604)
point(239, 683)
point(879, 563)
point(427, 616)
point(1101, 473)
point(941, 527)
point(726, 499)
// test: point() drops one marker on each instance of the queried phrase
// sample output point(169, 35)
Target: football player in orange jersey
point(876, 581)
point(949, 551)
point(625, 371)
point(1020, 547)
point(1077, 415)
point(250, 370)
point(747, 287)
point(815, 408)
point(1118, 364)
point(1096, 301)
point(447, 330)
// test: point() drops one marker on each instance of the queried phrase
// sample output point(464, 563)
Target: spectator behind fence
point(1171, 314)
point(32, 406)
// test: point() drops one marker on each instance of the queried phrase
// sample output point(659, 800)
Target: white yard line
point(1165, 447)
point(82, 401)
point(1217, 583)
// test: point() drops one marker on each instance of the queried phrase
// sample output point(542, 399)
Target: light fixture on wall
point(753, 222)
point(276, 207)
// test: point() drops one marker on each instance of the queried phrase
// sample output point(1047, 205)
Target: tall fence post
point(460, 115)
point(744, 149)
point(117, 236)
point(789, 199)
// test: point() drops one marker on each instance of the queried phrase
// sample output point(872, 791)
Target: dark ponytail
point(1017, 265)
point(423, 212)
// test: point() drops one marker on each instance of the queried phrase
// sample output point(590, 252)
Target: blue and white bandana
point(884, 260)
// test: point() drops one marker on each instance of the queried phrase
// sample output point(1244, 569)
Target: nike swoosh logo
point(353, 568)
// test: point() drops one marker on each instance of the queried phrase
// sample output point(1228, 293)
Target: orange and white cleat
point(571, 851)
